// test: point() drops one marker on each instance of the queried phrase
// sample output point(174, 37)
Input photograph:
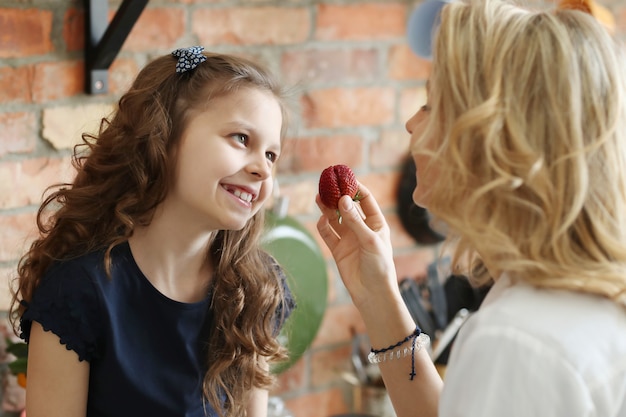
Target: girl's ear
point(601, 13)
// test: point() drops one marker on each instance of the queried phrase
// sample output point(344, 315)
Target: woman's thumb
point(347, 208)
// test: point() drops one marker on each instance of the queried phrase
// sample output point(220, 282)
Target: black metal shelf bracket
point(104, 40)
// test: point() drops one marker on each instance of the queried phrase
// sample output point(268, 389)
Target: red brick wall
point(357, 83)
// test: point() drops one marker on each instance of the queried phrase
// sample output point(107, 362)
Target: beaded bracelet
point(382, 355)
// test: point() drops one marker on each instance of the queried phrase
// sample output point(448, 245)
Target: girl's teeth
point(243, 195)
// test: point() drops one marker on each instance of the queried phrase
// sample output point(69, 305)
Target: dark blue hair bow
point(188, 58)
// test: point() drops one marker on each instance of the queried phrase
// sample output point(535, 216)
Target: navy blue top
point(145, 350)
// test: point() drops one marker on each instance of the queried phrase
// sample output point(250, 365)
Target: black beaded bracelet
point(376, 357)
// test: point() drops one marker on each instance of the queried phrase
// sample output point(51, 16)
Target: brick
point(340, 323)
point(122, 73)
point(307, 154)
point(400, 238)
point(328, 364)
point(390, 150)
point(57, 80)
point(292, 379)
point(23, 183)
point(251, 25)
point(384, 186)
point(330, 66)
point(7, 275)
point(330, 402)
point(74, 29)
point(15, 84)
point(18, 231)
point(63, 126)
point(25, 32)
point(18, 132)
point(301, 196)
point(340, 107)
point(195, 1)
point(360, 21)
point(156, 28)
point(403, 64)
point(413, 263)
point(410, 102)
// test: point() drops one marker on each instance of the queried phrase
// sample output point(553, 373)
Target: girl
point(146, 292)
point(521, 151)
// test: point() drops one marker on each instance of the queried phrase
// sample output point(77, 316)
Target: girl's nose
point(260, 167)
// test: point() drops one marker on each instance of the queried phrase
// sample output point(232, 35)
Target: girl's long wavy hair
point(122, 176)
point(527, 136)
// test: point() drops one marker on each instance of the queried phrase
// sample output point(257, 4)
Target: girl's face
point(226, 160)
point(425, 173)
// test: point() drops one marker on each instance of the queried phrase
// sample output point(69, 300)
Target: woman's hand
point(361, 247)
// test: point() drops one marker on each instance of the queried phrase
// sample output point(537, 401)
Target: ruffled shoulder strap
point(68, 304)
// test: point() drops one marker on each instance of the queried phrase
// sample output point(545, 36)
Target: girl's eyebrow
point(243, 126)
point(238, 124)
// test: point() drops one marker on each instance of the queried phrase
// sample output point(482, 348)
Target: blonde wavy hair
point(527, 134)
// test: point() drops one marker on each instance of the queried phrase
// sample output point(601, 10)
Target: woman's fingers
point(351, 217)
point(327, 233)
point(331, 214)
point(366, 213)
point(371, 210)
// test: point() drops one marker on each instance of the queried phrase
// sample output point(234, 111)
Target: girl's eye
point(425, 107)
point(271, 156)
point(241, 138)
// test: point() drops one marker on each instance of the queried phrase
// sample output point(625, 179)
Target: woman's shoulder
point(584, 333)
point(536, 340)
point(551, 313)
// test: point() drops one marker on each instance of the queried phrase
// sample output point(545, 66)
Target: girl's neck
point(174, 260)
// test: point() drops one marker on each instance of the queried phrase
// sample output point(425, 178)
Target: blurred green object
point(20, 351)
point(298, 253)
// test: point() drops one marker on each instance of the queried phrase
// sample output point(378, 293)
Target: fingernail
point(347, 204)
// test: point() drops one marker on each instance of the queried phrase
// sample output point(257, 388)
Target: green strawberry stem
point(356, 198)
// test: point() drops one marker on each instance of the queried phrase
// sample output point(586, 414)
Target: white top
point(533, 353)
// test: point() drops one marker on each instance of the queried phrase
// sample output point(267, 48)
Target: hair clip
point(188, 58)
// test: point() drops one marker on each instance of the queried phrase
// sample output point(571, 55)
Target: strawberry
point(337, 181)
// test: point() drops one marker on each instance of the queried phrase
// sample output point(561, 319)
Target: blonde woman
point(521, 151)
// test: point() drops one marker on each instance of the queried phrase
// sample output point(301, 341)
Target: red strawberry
point(337, 181)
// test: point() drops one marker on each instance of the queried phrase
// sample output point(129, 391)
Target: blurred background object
point(417, 220)
point(294, 248)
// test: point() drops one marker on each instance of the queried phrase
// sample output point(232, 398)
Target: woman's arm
point(57, 382)
point(388, 321)
point(361, 247)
